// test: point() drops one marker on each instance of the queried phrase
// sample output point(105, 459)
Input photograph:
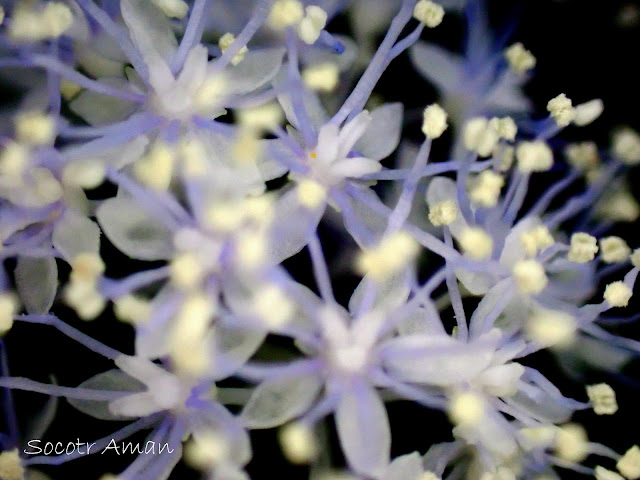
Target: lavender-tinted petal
point(443, 68)
point(112, 380)
point(363, 427)
point(278, 401)
point(382, 135)
point(151, 33)
point(292, 226)
point(256, 69)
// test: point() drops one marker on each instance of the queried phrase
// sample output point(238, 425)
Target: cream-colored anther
point(534, 156)
point(11, 467)
point(8, 308)
point(486, 189)
point(629, 464)
point(551, 328)
point(443, 213)
point(614, 250)
point(506, 128)
point(172, 8)
point(466, 409)
point(602, 473)
point(626, 146)
point(480, 136)
point(429, 13)
point(391, 255)
point(312, 24)
point(298, 442)
point(434, 121)
point(536, 240)
point(226, 41)
point(520, 59)
point(571, 443)
point(603, 399)
point(530, 276)
point(561, 110)
point(617, 294)
point(322, 77)
point(583, 248)
point(285, 13)
point(476, 243)
point(582, 156)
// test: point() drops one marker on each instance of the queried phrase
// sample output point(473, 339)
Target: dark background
point(584, 48)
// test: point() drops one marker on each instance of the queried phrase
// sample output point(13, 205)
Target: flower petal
point(363, 427)
point(278, 401)
point(390, 293)
point(382, 135)
point(255, 70)
point(136, 234)
point(233, 348)
point(112, 380)
point(98, 109)
point(74, 234)
point(312, 105)
point(441, 67)
point(435, 360)
point(355, 167)
point(405, 467)
point(151, 33)
point(352, 131)
point(292, 226)
point(37, 283)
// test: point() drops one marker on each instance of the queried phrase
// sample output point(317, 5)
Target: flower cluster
point(231, 131)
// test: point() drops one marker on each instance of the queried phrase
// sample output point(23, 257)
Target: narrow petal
point(355, 167)
point(363, 427)
point(151, 33)
point(112, 380)
point(352, 132)
point(194, 70)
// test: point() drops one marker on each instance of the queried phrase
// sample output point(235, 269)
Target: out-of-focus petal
point(278, 401)
point(363, 427)
point(37, 283)
point(74, 234)
point(382, 135)
point(136, 234)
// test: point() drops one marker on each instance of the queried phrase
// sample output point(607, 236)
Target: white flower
point(329, 161)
